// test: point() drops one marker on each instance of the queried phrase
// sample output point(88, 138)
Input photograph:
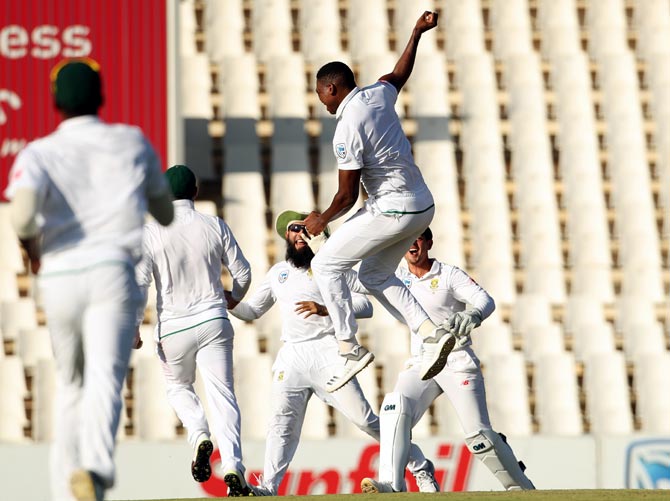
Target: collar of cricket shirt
point(345, 101)
point(79, 120)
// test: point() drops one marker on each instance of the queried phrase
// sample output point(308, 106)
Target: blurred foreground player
point(81, 194)
point(443, 291)
point(308, 357)
point(371, 149)
point(185, 260)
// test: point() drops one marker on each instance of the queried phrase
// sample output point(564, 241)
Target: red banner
point(127, 37)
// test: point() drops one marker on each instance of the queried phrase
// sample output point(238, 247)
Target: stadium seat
point(224, 27)
point(491, 339)
point(9, 287)
point(272, 29)
point(317, 418)
point(542, 340)
point(44, 387)
point(15, 315)
point(464, 28)
point(557, 395)
point(530, 310)
point(368, 28)
point(607, 399)
point(593, 338)
point(34, 345)
point(10, 252)
point(511, 28)
point(320, 29)
point(559, 27)
point(13, 391)
point(154, 419)
point(651, 18)
point(187, 28)
point(507, 394)
point(606, 27)
point(644, 338)
point(652, 371)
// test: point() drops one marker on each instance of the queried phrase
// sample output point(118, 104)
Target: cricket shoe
point(237, 486)
point(86, 486)
point(200, 467)
point(259, 490)
point(354, 362)
point(425, 479)
point(371, 486)
point(435, 350)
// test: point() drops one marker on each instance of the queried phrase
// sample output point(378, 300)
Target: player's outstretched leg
point(491, 448)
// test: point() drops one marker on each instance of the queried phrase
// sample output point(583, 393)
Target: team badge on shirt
point(434, 283)
point(341, 150)
point(283, 276)
point(407, 282)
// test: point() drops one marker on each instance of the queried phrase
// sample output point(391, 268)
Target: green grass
point(552, 495)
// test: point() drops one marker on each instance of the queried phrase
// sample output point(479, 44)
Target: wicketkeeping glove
point(316, 242)
point(461, 324)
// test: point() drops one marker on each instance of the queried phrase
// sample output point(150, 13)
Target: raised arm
point(403, 68)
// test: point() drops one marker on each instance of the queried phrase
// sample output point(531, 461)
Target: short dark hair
point(427, 234)
point(337, 70)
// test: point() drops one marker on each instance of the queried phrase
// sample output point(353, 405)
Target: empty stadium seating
point(543, 130)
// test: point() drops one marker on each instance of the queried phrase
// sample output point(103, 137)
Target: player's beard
point(300, 258)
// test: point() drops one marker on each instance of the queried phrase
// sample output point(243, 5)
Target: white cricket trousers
point(379, 241)
point(461, 381)
point(209, 346)
point(91, 318)
point(300, 371)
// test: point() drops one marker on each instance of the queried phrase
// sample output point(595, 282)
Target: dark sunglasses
point(297, 228)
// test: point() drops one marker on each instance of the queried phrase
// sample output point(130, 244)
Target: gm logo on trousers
point(648, 464)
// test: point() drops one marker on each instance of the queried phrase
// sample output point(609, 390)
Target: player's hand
point(427, 21)
point(137, 342)
point(315, 243)
point(310, 308)
point(315, 224)
point(230, 302)
point(461, 324)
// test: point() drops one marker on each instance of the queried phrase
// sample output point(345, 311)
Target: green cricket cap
point(182, 181)
point(76, 85)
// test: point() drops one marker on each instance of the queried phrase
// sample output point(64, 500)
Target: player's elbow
point(23, 214)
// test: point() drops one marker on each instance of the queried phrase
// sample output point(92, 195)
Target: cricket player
point(78, 200)
point(308, 357)
point(185, 260)
point(371, 148)
point(443, 291)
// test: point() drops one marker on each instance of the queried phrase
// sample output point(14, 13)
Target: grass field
point(553, 495)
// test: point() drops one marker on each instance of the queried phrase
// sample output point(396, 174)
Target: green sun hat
point(290, 216)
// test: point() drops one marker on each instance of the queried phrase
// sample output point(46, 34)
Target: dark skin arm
point(403, 68)
point(32, 248)
point(344, 199)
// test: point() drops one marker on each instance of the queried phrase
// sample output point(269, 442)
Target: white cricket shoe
point(201, 470)
point(354, 362)
point(426, 482)
point(259, 490)
point(85, 486)
point(372, 486)
point(434, 352)
point(237, 486)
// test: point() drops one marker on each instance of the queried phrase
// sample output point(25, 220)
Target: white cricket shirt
point(185, 259)
point(286, 284)
point(369, 136)
point(443, 291)
point(92, 180)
